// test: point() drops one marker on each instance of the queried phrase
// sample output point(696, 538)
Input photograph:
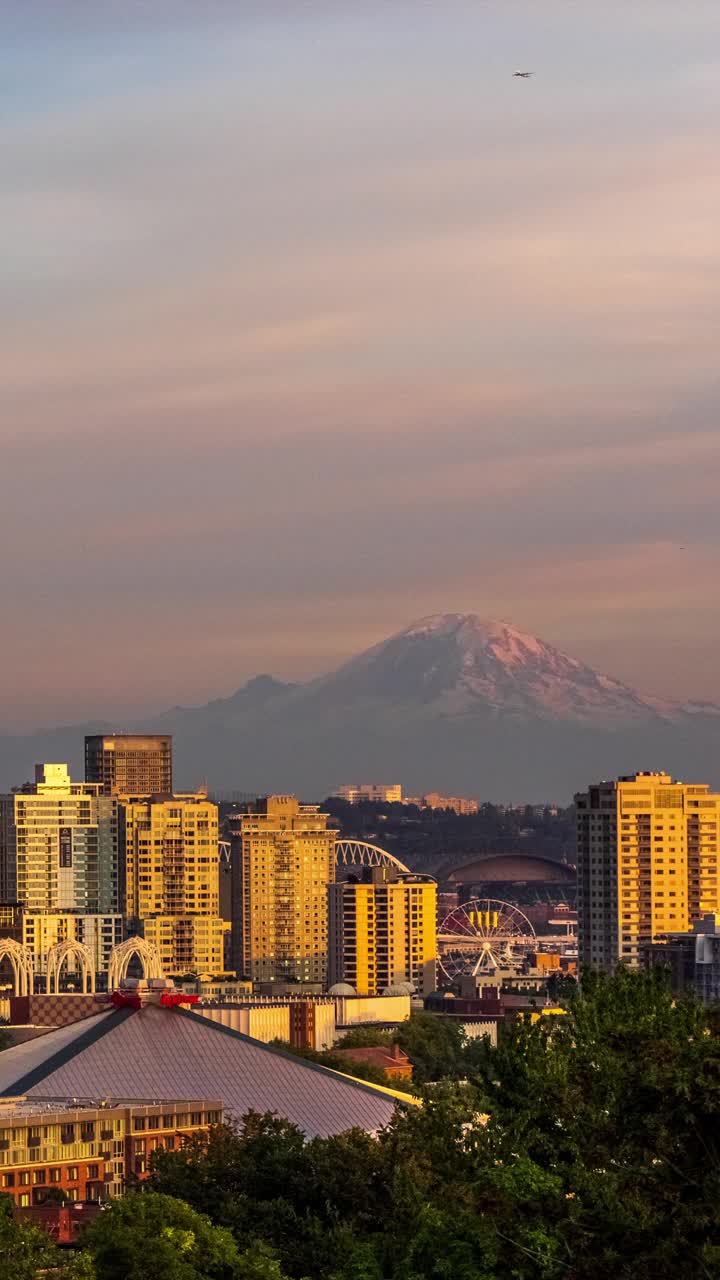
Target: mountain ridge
point(452, 702)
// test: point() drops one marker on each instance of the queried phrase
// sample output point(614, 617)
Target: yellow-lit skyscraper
point(134, 764)
point(647, 853)
point(283, 860)
point(169, 847)
point(383, 931)
point(59, 845)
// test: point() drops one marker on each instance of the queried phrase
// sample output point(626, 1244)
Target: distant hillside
point(452, 703)
point(438, 841)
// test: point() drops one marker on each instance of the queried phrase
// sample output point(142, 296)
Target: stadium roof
point(513, 867)
point(163, 1054)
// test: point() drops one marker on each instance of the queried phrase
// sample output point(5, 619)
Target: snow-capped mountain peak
point(459, 661)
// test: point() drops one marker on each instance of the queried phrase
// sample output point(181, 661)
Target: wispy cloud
point(289, 308)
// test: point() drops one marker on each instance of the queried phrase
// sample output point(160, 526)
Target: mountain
point(452, 703)
point(459, 663)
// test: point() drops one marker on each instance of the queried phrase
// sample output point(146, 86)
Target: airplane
point(523, 75)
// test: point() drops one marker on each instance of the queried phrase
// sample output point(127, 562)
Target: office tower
point(375, 792)
point(647, 855)
point(169, 848)
point(383, 931)
point(283, 861)
point(59, 845)
point(130, 764)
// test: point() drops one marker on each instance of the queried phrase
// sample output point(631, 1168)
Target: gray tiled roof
point(158, 1053)
point(25, 1057)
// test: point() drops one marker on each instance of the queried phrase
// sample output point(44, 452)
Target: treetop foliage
point(582, 1148)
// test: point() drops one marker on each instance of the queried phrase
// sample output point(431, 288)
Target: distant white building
point(461, 805)
point(377, 792)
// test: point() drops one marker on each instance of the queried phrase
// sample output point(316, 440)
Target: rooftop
point(26, 1108)
point(165, 1053)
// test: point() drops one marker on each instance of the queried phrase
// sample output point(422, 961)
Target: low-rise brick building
point(55, 1151)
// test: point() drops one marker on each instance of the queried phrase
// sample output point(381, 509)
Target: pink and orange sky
point(316, 321)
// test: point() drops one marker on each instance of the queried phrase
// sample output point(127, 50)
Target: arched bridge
point(356, 853)
point(348, 853)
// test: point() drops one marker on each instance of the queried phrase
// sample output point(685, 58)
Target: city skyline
point(320, 321)
point(359, 694)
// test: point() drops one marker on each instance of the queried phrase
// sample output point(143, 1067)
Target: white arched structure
point(22, 965)
point(348, 853)
point(356, 853)
point(61, 954)
point(123, 953)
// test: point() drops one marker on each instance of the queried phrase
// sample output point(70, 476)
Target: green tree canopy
point(26, 1251)
point(435, 1047)
point(150, 1236)
point(584, 1147)
point(365, 1038)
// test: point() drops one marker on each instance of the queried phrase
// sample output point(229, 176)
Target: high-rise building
point(376, 792)
point(169, 850)
point(647, 854)
point(383, 931)
point(283, 860)
point(130, 764)
point(59, 845)
point(188, 944)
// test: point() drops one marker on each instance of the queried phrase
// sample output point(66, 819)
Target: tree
point(269, 1185)
point(365, 1038)
point(25, 1250)
point(582, 1147)
point(618, 1102)
point(562, 987)
point(435, 1047)
point(147, 1235)
point(328, 1058)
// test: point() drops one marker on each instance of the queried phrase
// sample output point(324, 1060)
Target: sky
point(315, 320)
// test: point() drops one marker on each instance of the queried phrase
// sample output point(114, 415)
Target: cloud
point(309, 334)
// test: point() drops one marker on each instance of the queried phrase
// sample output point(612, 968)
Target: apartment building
point(647, 853)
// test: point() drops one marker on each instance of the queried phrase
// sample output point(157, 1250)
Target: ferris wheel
point(481, 935)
